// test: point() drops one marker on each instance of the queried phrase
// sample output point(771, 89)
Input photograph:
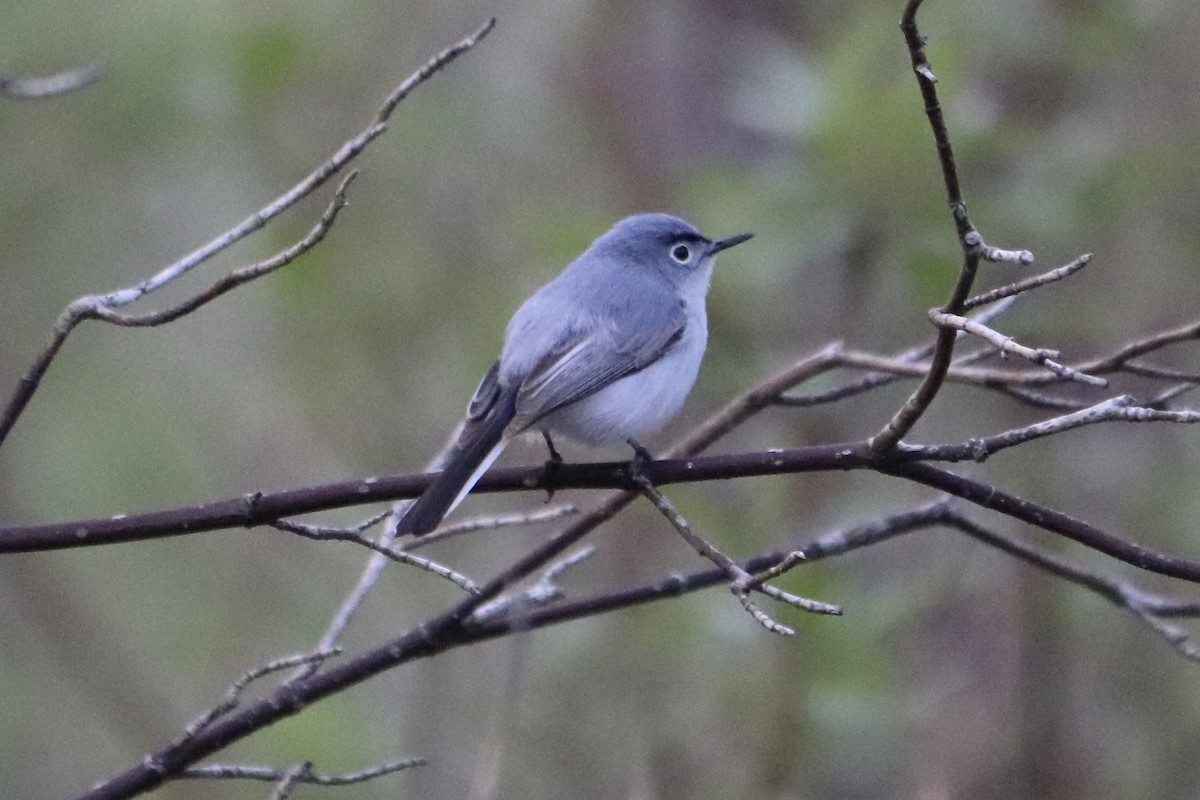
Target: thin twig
point(878, 380)
point(233, 694)
point(545, 591)
point(1006, 344)
point(741, 581)
point(355, 597)
point(289, 780)
point(90, 307)
point(238, 276)
point(303, 772)
point(1159, 373)
point(1121, 408)
point(327, 534)
point(372, 570)
point(996, 255)
point(60, 83)
point(1020, 287)
point(490, 523)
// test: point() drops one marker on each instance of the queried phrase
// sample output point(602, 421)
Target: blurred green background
point(955, 672)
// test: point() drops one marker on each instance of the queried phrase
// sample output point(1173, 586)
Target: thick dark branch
point(457, 627)
point(258, 509)
point(1047, 519)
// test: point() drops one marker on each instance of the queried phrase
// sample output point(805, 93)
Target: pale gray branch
point(303, 773)
point(386, 549)
point(1121, 408)
point(1006, 344)
point(1019, 287)
point(741, 582)
point(233, 694)
point(60, 83)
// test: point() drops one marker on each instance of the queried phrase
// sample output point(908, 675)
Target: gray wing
point(590, 351)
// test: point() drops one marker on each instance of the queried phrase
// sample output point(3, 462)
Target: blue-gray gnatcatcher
point(606, 352)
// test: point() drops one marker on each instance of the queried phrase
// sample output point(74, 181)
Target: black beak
point(725, 244)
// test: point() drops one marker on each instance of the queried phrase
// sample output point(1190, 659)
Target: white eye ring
point(681, 253)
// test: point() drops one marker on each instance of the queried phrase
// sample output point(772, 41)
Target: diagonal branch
point(238, 276)
point(95, 306)
point(60, 83)
point(741, 582)
point(974, 247)
point(1022, 286)
point(321, 533)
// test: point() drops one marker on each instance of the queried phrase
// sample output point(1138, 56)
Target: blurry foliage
point(1076, 129)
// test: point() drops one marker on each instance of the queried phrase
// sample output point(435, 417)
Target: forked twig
point(321, 533)
point(100, 306)
point(1006, 344)
point(233, 695)
point(741, 581)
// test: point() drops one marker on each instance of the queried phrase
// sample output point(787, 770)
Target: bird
point(607, 352)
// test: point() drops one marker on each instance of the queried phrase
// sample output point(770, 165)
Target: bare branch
point(1147, 607)
point(1020, 287)
point(972, 243)
point(400, 556)
point(741, 581)
point(1159, 373)
point(233, 694)
point(238, 276)
point(60, 83)
point(89, 307)
point(302, 773)
point(1115, 409)
point(491, 523)
point(907, 362)
point(283, 789)
point(1150, 608)
point(1006, 344)
point(1046, 518)
point(544, 592)
point(1140, 347)
point(997, 255)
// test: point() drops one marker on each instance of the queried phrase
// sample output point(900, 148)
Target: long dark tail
point(477, 441)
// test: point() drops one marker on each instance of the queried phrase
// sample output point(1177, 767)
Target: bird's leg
point(552, 464)
point(555, 456)
point(641, 457)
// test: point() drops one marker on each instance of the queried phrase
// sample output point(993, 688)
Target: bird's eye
point(681, 253)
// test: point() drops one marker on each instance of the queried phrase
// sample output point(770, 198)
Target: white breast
point(641, 403)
